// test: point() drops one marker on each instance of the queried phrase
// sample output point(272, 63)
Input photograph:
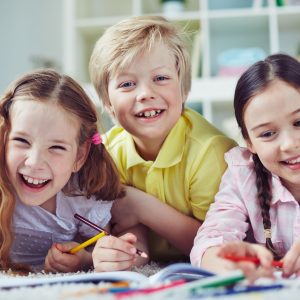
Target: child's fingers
point(112, 260)
point(236, 248)
point(106, 266)
point(58, 260)
point(291, 261)
point(128, 237)
point(112, 253)
point(264, 255)
point(122, 243)
point(244, 249)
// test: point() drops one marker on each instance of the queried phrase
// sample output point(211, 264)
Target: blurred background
point(31, 34)
point(224, 38)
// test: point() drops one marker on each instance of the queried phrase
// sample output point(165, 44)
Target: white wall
point(29, 30)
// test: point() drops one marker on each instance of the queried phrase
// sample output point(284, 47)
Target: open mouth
point(292, 161)
point(150, 113)
point(34, 182)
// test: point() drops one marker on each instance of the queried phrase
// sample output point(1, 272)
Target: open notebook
point(170, 273)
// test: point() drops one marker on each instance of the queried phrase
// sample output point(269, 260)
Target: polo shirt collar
point(170, 153)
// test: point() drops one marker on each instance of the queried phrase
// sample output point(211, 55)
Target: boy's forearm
point(179, 229)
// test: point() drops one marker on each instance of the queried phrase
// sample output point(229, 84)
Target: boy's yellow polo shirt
point(185, 175)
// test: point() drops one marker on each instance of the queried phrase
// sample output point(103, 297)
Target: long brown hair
point(98, 176)
point(253, 82)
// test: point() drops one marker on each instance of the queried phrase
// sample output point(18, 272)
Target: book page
point(17, 281)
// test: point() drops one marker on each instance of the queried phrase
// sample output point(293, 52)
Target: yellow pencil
point(92, 240)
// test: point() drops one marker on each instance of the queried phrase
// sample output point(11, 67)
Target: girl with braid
point(256, 211)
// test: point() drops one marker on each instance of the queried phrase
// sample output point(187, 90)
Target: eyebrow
point(266, 124)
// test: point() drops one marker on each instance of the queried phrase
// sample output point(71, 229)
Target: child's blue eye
point(126, 84)
point(267, 134)
point(297, 123)
point(161, 78)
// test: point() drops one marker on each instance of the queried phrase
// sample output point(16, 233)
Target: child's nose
point(34, 159)
point(145, 92)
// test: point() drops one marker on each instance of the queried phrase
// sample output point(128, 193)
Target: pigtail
point(264, 198)
point(99, 175)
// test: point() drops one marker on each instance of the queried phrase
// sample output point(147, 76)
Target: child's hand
point(125, 211)
point(251, 270)
point(115, 253)
point(59, 260)
point(291, 261)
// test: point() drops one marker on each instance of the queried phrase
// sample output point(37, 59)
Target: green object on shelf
point(280, 2)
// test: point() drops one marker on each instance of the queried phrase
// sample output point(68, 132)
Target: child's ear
point(82, 155)
point(250, 146)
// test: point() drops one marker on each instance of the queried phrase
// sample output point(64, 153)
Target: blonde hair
point(98, 176)
point(123, 42)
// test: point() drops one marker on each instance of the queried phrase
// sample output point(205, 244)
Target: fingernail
point(133, 250)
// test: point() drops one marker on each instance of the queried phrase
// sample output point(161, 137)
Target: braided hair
point(253, 82)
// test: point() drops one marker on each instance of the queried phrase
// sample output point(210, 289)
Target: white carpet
point(86, 291)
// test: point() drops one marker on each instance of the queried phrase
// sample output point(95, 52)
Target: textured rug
point(66, 291)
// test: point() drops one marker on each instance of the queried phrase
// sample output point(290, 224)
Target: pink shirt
point(236, 213)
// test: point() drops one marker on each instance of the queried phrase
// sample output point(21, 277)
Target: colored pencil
point(255, 260)
point(100, 229)
point(90, 241)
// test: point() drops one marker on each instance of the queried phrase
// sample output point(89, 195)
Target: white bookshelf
point(222, 25)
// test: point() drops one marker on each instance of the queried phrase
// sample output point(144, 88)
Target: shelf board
point(212, 89)
point(238, 13)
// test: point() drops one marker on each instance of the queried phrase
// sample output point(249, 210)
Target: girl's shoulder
point(239, 156)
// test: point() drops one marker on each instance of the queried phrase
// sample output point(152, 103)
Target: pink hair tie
point(96, 139)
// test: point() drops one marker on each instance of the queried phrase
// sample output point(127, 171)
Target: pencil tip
point(141, 253)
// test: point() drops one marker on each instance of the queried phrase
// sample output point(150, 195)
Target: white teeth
point(293, 161)
point(149, 113)
point(34, 180)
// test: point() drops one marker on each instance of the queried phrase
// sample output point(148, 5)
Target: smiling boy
point(170, 157)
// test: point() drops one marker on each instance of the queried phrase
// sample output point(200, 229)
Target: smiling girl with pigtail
point(53, 165)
